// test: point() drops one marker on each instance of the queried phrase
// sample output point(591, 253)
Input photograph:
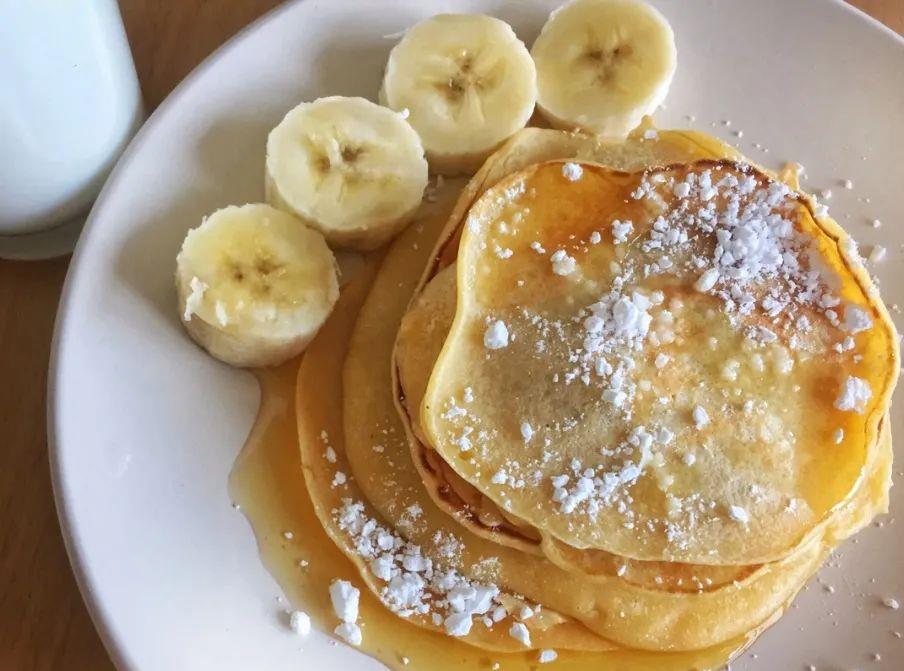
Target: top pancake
point(665, 390)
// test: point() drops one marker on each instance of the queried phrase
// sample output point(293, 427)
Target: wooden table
point(43, 622)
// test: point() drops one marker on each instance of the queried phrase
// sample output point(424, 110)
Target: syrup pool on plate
point(267, 484)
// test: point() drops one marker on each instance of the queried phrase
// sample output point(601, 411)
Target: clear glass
point(69, 104)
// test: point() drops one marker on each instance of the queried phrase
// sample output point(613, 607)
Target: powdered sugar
point(350, 633)
point(572, 171)
point(195, 297)
point(496, 335)
point(562, 263)
point(345, 598)
point(591, 488)
point(854, 394)
point(300, 623)
point(856, 319)
point(414, 584)
point(739, 514)
point(621, 230)
point(547, 656)
point(520, 633)
point(707, 280)
point(617, 319)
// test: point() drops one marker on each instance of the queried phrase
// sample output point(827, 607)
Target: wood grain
point(889, 12)
point(43, 623)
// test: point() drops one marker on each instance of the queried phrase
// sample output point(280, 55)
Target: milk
point(69, 103)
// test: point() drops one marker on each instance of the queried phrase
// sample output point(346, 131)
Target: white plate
point(144, 428)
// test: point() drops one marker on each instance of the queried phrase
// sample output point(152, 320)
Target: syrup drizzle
point(268, 485)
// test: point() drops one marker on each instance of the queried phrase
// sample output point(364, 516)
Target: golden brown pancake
point(717, 456)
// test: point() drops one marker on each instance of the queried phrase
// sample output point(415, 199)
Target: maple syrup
point(268, 485)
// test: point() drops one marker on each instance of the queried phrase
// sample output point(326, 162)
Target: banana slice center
point(465, 77)
point(347, 163)
point(257, 276)
point(606, 61)
point(335, 154)
point(471, 74)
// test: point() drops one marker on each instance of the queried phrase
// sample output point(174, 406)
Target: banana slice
point(255, 284)
point(468, 84)
point(348, 167)
point(603, 64)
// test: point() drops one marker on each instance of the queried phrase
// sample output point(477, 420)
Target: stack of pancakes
point(614, 397)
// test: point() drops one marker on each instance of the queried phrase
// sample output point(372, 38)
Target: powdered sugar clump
point(300, 622)
point(562, 264)
point(854, 395)
point(496, 336)
point(520, 633)
point(345, 598)
point(856, 319)
point(195, 298)
point(621, 230)
point(707, 280)
point(877, 254)
point(617, 319)
point(350, 633)
point(572, 171)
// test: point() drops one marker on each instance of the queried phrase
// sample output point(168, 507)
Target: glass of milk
point(69, 104)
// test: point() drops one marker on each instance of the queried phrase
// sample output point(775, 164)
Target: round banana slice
point(255, 285)
point(603, 64)
point(468, 84)
point(348, 167)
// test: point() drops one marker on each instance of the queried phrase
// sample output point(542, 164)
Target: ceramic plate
point(144, 427)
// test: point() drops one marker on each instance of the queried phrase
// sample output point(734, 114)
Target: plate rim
point(75, 547)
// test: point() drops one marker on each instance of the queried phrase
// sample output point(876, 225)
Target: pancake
point(420, 339)
point(601, 465)
point(373, 441)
